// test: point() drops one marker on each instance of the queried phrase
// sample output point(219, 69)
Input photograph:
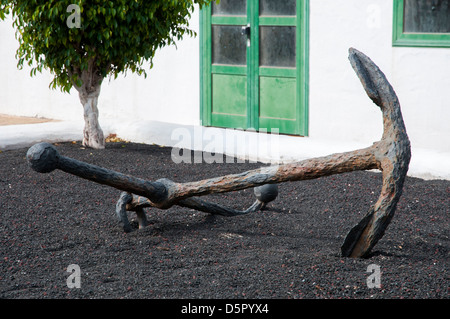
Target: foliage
point(114, 36)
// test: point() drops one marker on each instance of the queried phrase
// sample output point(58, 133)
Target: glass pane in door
point(228, 45)
point(277, 46)
point(277, 7)
point(230, 7)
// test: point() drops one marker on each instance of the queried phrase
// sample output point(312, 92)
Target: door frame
point(302, 69)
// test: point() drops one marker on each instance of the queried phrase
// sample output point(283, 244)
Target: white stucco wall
point(23, 95)
point(340, 113)
point(169, 93)
point(339, 107)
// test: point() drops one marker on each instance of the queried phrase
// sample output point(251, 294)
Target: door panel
point(277, 98)
point(229, 94)
point(277, 65)
point(228, 77)
point(254, 55)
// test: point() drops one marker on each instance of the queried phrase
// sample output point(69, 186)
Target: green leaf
point(118, 35)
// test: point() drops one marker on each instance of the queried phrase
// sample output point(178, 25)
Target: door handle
point(245, 30)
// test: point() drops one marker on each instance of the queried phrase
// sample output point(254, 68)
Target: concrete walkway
point(269, 148)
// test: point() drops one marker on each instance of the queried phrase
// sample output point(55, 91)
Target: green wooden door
point(254, 65)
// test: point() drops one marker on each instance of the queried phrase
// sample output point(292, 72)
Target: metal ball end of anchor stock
point(266, 193)
point(43, 157)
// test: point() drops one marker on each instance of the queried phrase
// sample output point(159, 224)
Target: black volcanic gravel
point(290, 250)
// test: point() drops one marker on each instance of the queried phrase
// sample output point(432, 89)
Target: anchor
point(391, 155)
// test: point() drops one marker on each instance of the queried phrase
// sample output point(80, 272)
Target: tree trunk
point(92, 133)
point(89, 91)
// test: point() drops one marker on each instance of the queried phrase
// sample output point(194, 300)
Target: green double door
point(254, 65)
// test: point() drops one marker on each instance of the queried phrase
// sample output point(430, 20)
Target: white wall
point(421, 78)
point(23, 95)
point(169, 93)
point(339, 108)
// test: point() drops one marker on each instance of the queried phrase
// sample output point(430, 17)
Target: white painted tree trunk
point(92, 133)
point(89, 92)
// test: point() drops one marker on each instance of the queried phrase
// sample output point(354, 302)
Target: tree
point(83, 42)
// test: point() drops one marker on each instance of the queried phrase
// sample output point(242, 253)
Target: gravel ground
point(289, 250)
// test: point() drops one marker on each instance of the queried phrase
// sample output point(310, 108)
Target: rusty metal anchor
point(391, 155)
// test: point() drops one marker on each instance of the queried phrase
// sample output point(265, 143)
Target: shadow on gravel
point(290, 250)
